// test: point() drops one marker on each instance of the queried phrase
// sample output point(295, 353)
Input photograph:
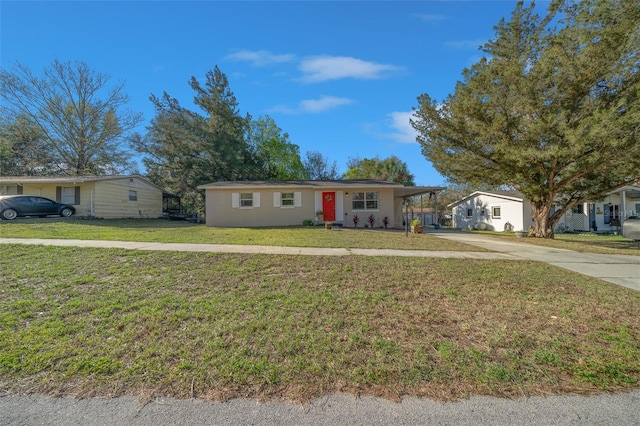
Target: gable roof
point(20, 180)
point(507, 195)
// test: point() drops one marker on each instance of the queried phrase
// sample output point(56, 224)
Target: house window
point(10, 189)
point(495, 212)
point(68, 195)
point(133, 195)
point(287, 199)
point(578, 209)
point(365, 201)
point(482, 211)
point(469, 212)
point(246, 199)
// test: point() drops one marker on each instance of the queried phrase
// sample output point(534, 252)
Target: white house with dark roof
point(493, 211)
point(510, 210)
point(286, 203)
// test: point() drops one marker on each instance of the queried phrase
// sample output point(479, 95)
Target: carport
point(404, 195)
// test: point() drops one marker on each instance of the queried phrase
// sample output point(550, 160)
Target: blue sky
point(339, 77)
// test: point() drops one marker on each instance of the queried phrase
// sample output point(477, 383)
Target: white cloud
point(322, 68)
point(313, 106)
point(323, 104)
point(430, 17)
point(402, 132)
point(260, 58)
point(465, 44)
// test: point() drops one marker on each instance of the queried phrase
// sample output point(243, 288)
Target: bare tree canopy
point(83, 124)
point(553, 109)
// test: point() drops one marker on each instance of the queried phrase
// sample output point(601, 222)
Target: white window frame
point(293, 199)
point(287, 199)
point(469, 212)
point(246, 200)
point(133, 195)
point(493, 212)
point(237, 200)
point(367, 198)
point(68, 195)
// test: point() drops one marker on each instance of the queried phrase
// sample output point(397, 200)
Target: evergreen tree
point(552, 110)
point(184, 149)
point(279, 159)
point(391, 169)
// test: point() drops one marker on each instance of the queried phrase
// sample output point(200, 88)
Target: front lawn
point(185, 232)
point(108, 322)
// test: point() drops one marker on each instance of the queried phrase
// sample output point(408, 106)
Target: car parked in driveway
point(12, 206)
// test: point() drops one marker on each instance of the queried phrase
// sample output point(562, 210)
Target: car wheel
point(9, 214)
point(66, 212)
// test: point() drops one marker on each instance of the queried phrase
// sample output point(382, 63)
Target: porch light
point(346, 194)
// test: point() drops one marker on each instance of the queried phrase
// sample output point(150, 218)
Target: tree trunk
point(543, 223)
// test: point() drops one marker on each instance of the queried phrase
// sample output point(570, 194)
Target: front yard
point(107, 322)
point(184, 232)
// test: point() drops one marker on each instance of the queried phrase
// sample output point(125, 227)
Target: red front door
point(329, 206)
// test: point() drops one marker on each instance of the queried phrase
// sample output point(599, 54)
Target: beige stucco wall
point(220, 211)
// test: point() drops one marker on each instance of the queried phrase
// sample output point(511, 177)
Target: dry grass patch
point(92, 322)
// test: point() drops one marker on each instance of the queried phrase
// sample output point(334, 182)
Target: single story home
point(607, 214)
point(109, 197)
point(509, 210)
point(493, 211)
point(286, 203)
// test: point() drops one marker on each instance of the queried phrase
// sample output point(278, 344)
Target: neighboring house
point(108, 197)
point(608, 214)
point(285, 203)
point(509, 210)
point(494, 211)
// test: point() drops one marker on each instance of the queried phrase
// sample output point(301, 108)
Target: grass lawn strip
point(108, 322)
point(583, 243)
point(183, 232)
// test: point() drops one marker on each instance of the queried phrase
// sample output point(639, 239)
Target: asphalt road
point(620, 409)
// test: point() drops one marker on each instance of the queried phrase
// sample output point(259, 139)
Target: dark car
point(12, 206)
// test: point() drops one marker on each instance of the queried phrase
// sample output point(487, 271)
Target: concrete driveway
point(618, 269)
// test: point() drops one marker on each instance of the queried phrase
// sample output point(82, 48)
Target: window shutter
point(277, 196)
point(77, 195)
point(256, 199)
point(297, 199)
point(235, 200)
point(58, 194)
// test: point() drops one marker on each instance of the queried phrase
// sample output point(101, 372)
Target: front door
point(329, 206)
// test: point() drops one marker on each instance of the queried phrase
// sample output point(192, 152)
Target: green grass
point(584, 243)
point(107, 322)
point(184, 232)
